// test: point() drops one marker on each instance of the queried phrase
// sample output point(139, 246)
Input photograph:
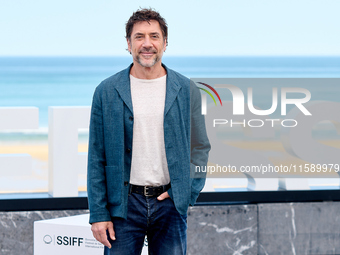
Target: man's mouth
point(147, 54)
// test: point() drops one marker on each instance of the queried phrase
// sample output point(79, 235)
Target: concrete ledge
point(222, 229)
point(265, 229)
point(16, 229)
point(299, 228)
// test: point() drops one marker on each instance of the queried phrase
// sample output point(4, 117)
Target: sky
point(196, 28)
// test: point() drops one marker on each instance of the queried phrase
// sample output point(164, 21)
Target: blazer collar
point(172, 88)
point(123, 87)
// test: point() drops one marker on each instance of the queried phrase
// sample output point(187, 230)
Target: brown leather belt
point(149, 191)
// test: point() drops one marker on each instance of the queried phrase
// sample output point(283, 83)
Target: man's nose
point(147, 42)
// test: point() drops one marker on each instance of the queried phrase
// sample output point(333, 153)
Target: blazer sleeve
point(96, 179)
point(200, 145)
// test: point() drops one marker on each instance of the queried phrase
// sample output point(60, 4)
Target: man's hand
point(99, 232)
point(163, 196)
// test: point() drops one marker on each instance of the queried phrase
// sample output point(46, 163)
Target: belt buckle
point(145, 192)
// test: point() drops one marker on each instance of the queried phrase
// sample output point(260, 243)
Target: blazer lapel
point(172, 89)
point(124, 89)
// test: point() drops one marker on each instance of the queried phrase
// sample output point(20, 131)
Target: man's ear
point(164, 45)
point(129, 44)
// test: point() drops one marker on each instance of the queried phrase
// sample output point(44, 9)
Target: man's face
point(146, 43)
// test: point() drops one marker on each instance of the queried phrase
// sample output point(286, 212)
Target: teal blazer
point(110, 144)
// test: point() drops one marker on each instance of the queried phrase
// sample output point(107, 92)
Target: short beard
point(155, 60)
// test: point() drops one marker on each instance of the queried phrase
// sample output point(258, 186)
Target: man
point(142, 149)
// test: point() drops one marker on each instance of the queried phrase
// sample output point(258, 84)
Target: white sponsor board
point(68, 236)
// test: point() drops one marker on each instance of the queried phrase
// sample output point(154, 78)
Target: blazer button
point(128, 150)
point(126, 183)
point(131, 118)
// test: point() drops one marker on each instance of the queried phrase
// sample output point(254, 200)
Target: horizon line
point(129, 56)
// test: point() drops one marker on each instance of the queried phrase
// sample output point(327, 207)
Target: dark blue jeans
point(159, 220)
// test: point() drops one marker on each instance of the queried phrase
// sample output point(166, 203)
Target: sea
point(71, 81)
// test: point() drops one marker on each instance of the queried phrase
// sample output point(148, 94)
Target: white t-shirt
point(149, 165)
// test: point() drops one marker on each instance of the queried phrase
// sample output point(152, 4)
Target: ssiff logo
point(64, 240)
point(47, 239)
